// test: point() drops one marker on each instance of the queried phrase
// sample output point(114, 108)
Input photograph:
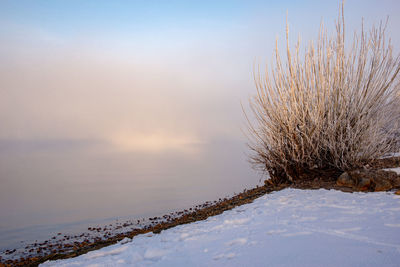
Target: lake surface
point(67, 185)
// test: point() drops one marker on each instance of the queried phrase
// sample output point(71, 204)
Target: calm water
point(65, 185)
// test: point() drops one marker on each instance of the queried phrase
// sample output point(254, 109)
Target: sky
point(94, 92)
point(146, 75)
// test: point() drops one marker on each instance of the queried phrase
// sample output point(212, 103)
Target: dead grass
point(335, 108)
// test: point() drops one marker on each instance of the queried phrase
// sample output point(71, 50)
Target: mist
point(106, 104)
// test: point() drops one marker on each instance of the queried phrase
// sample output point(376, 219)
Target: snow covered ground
point(396, 170)
point(286, 228)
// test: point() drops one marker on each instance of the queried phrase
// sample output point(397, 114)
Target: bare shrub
point(335, 108)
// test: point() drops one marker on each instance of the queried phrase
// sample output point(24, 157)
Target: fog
point(118, 109)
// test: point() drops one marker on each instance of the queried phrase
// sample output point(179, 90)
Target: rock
point(369, 180)
point(397, 192)
point(268, 182)
point(364, 184)
point(394, 179)
point(345, 180)
point(382, 184)
point(384, 180)
point(125, 240)
point(157, 230)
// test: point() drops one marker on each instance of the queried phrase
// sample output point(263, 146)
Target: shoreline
point(62, 250)
point(66, 250)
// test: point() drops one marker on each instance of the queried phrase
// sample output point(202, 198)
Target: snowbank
point(286, 228)
point(396, 170)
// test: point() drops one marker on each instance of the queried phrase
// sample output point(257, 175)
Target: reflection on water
point(70, 182)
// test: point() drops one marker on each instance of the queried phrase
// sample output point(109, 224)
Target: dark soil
point(48, 250)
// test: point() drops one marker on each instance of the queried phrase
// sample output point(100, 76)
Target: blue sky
point(119, 17)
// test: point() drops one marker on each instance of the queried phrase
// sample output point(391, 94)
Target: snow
point(287, 228)
point(396, 170)
point(391, 155)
